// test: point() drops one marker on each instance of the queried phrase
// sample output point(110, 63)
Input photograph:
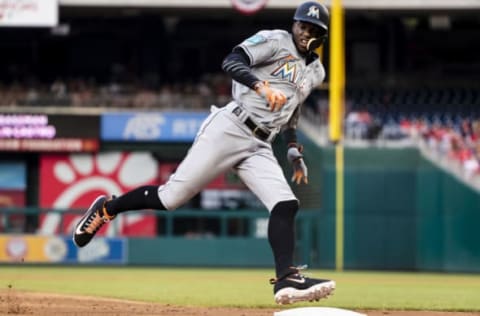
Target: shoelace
point(294, 270)
point(95, 222)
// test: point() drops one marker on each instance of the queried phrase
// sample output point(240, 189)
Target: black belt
point(257, 130)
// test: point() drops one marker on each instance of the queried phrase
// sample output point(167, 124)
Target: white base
point(317, 311)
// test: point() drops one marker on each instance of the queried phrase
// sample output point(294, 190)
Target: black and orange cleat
point(95, 217)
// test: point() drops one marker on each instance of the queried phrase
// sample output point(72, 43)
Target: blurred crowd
point(80, 92)
point(457, 143)
point(447, 120)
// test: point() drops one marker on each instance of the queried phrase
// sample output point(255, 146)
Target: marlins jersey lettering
point(275, 58)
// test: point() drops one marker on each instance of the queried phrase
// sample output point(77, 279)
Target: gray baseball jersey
point(275, 59)
point(226, 139)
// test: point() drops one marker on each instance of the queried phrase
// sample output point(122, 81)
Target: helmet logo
point(314, 12)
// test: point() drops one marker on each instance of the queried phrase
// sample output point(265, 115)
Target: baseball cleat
point(91, 222)
point(295, 287)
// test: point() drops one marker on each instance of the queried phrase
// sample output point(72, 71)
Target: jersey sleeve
point(260, 47)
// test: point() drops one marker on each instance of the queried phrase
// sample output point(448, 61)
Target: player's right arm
point(237, 65)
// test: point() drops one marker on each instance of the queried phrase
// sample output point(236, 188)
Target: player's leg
point(220, 145)
point(104, 209)
point(214, 151)
point(264, 177)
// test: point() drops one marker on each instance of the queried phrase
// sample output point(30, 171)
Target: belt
point(256, 129)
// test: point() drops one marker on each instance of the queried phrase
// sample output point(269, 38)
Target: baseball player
point(273, 72)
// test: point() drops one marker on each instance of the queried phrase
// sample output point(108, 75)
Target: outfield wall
point(401, 212)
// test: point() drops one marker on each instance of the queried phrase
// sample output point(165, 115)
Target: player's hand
point(276, 99)
point(295, 157)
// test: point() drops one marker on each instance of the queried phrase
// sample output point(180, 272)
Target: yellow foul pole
point(336, 112)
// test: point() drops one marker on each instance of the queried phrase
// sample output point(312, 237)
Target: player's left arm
point(295, 150)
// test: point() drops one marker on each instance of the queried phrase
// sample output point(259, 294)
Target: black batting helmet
point(313, 12)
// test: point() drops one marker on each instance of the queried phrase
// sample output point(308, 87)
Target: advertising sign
point(41, 13)
point(53, 132)
point(156, 126)
point(60, 145)
point(52, 249)
point(72, 182)
point(48, 126)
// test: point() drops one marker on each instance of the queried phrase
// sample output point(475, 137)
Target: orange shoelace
point(96, 223)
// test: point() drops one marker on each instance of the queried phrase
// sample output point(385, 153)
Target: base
point(317, 311)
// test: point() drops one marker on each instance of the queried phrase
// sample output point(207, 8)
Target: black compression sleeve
point(237, 65)
point(281, 234)
point(144, 197)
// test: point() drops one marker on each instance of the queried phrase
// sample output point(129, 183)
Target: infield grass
point(249, 287)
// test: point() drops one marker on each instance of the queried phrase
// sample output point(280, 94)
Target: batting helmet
point(314, 13)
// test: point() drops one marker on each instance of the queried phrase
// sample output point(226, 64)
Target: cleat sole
point(317, 292)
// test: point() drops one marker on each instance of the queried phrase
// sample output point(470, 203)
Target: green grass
point(249, 288)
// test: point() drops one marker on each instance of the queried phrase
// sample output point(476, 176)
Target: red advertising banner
point(57, 145)
point(73, 181)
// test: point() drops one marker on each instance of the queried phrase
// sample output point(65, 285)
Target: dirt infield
point(13, 302)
